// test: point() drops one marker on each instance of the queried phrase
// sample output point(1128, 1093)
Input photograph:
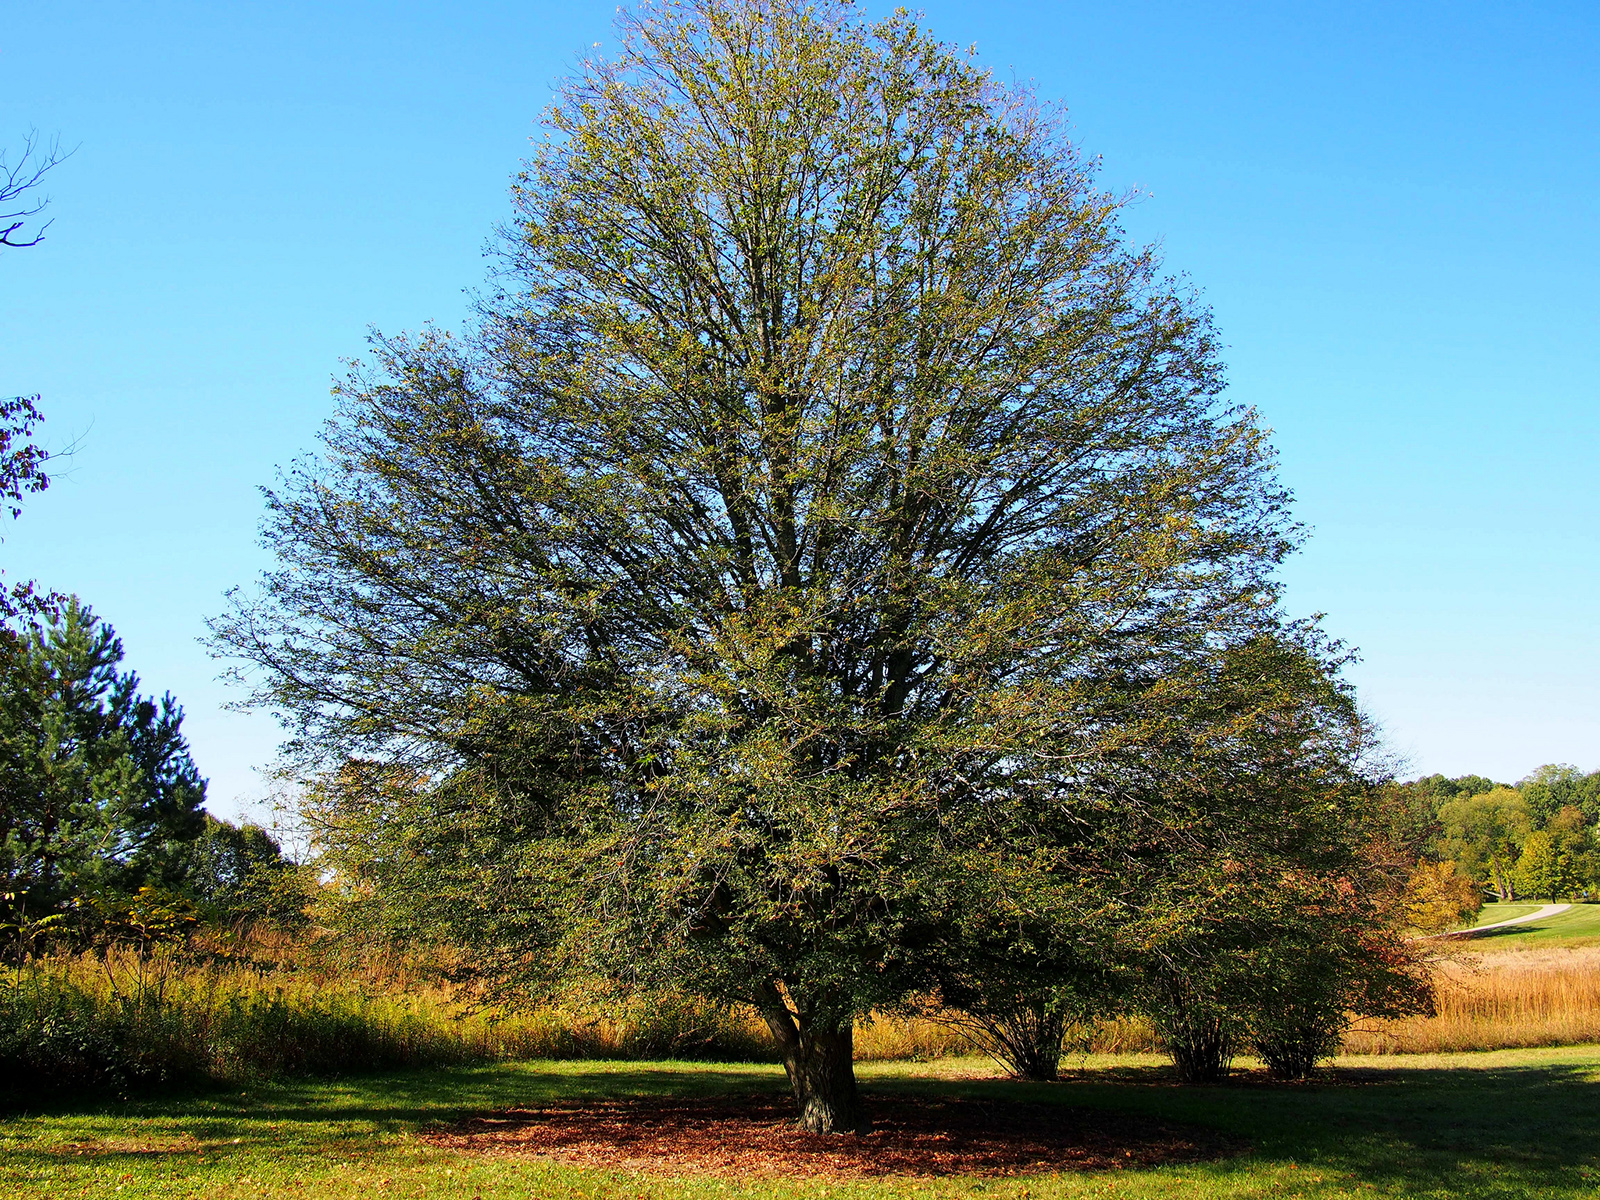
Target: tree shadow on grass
point(341, 1115)
point(1445, 1131)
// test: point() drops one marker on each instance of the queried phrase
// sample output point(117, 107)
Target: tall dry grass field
point(121, 1021)
point(1507, 999)
point(918, 1039)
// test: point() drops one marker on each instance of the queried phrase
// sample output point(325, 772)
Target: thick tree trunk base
point(824, 1085)
point(820, 1062)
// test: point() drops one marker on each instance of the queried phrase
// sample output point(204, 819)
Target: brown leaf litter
point(741, 1136)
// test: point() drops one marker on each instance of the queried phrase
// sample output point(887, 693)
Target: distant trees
point(238, 875)
point(1556, 786)
point(1484, 834)
point(1558, 860)
point(1539, 838)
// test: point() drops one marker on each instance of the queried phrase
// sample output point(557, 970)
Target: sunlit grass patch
point(1578, 925)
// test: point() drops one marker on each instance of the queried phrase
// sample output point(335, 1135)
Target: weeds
point(120, 1022)
point(1511, 999)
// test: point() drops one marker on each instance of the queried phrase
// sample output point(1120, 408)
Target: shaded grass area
point(1504, 1124)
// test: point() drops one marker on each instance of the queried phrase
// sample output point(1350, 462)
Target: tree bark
point(819, 1057)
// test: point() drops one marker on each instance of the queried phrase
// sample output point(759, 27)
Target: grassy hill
point(1578, 926)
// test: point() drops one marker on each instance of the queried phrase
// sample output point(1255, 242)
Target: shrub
point(1310, 989)
point(1293, 1040)
point(1199, 1034)
point(1025, 1037)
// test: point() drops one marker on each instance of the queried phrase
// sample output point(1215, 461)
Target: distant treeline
point(1536, 839)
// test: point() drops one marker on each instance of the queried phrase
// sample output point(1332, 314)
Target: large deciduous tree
point(794, 560)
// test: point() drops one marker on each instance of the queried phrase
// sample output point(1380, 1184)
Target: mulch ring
point(756, 1135)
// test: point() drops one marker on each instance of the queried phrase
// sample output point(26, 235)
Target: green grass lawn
point(1505, 1124)
point(1579, 925)
point(1490, 913)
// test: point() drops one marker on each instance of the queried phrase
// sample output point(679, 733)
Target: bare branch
point(17, 207)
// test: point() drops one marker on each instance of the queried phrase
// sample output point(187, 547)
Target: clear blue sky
point(1391, 206)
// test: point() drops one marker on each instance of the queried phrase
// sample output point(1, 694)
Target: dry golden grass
point(918, 1039)
point(895, 1039)
point(1534, 997)
point(263, 1008)
point(1504, 1000)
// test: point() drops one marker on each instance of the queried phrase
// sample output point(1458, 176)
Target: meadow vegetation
point(124, 1022)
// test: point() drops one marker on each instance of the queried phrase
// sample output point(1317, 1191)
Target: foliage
point(98, 793)
point(1483, 835)
point(826, 506)
point(1439, 897)
point(238, 874)
point(148, 918)
point(22, 462)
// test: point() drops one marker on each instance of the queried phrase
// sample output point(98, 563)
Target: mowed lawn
point(1578, 926)
point(1501, 1124)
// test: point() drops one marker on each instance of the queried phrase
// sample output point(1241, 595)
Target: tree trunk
point(819, 1057)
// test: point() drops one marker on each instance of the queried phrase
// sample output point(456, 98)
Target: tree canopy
point(830, 543)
